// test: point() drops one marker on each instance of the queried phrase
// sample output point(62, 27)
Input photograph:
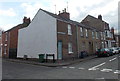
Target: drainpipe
point(1, 45)
point(77, 40)
point(8, 43)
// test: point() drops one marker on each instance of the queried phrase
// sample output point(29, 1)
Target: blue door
point(59, 50)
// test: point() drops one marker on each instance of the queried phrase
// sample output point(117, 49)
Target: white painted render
point(40, 37)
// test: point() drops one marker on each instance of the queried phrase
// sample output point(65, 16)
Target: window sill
point(4, 53)
point(69, 34)
point(82, 36)
point(70, 52)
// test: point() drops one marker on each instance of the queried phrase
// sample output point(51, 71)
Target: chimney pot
point(65, 9)
point(100, 17)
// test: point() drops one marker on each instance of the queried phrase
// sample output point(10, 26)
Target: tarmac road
point(98, 69)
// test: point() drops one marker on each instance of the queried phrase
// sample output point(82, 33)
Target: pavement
point(50, 64)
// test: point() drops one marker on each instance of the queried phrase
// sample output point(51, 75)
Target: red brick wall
point(11, 42)
point(14, 38)
point(65, 38)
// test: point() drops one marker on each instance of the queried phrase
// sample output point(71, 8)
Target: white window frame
point(108, 33)
point(81, 31)
point(83, 45)
point(96, 46)
point(86, 30)
point(117, 38)
point(93, 34)
point(5, 50)
point(69, 29)
point(111, 35)
point(97, 35)
point(5, 44)
point(6, 36)
point(101, 35)
point(104, 35)
point(102, 44)
point(70, 48)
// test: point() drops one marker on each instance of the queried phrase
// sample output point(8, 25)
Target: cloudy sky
point(13, 11)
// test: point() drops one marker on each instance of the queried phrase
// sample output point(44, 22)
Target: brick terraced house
point(117, 41)
point(10, 39)
point(107, 39)
point(1, 42)
point(50, 33)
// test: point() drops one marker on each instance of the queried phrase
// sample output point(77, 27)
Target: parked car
point(114, 50)
point(104, 52)
point(118, 48)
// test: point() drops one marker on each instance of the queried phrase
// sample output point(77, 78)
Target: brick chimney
point(26, 20)
point(100, 17)
point(64, 14)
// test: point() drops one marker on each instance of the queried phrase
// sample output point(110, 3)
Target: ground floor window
point(102, 44)
point(96, 46)
point(83, 46)
point(70, 48)
point(5, 50)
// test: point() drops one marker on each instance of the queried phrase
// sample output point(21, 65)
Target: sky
point(13, 11)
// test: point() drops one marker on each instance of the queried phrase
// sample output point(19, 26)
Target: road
point(98, 68)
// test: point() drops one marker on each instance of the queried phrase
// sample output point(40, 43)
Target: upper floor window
point(83, 45)
point(104, 35)
point(81, 31)
point(86, 32)
point(107, 33)
point(97, 35)
point(6, 36)
point(93, 34)
point(111, 35)
point(70, 48)
point(101, 35)
point(69, 30)
point(117, 38)
point(5, 44)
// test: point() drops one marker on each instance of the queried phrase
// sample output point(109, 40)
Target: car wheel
point(108, 55)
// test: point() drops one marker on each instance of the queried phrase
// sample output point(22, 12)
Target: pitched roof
point(95, 18)
point(19, 26)
point(69, 21)
point(95, 21)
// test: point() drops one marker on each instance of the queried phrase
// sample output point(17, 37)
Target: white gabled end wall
point(40, 37)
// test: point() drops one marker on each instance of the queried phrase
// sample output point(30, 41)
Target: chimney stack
point(64, 14)
point(100, 17)
point(26, 20)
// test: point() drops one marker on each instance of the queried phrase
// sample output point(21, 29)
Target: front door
point(90, 47)
point(59, 50)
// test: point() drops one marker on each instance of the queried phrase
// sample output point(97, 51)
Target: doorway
point(59, 50)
